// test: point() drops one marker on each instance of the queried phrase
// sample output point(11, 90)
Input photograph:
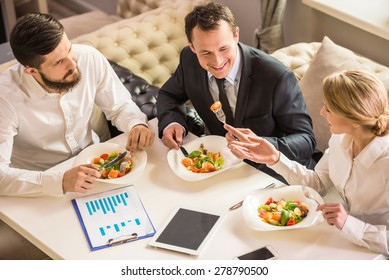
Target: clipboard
point(113, 217)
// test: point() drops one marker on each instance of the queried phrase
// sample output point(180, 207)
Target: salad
point(117, 170)
point(282, 213)
point(202, 161)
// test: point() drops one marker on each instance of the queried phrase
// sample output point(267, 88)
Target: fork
point(222, 118)
point(239, 204)
point(220, 115)
point(309, 195)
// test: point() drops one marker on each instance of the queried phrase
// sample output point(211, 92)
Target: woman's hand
point(334, 214)
point(238, 134)
point(247, 145)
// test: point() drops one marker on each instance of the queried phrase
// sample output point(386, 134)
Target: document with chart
point(113, 217)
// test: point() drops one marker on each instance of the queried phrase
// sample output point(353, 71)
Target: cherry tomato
point(104, 156)
point(269, 200)
point(291, 222)
point(194, 169)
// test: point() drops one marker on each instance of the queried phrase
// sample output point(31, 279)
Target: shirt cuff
point(52, 182)
point(135, 123)
point(282, 166)
point(170, 124)
point(353, 229)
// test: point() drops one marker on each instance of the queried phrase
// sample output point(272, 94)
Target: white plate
point(253, 200)
point(139, 161)
point(212, 143)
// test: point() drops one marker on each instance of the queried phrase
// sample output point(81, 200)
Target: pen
point(122, 239)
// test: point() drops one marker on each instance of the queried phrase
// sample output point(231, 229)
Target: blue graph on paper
point(113, 214)
point(107, 204)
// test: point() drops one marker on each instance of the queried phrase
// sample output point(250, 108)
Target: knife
point(184, 151)
point(112, 162)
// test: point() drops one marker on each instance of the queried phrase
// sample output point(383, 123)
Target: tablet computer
point(186, 231)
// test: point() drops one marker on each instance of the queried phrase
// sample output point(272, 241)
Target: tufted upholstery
point(131, 8)
point(148, 44)
point(142, 93)
point(299, 56)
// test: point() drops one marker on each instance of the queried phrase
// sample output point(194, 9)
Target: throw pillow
point(330, 58)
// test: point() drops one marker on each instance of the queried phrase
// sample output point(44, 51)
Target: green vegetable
point(195, 154)
point(112, 155)
point(219, 162)
point(285, 215)
point(290, 205)
point(264, 207)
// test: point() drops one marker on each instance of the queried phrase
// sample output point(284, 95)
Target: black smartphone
point(265, 253)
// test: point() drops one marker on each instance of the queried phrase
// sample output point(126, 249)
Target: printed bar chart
point(107, 204)
point(118, 226)
point(112, 214)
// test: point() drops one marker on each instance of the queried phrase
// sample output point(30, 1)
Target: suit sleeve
point(171, 100)
point(296, 141)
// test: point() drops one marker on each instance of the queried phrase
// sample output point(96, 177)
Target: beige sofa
point(148, 44)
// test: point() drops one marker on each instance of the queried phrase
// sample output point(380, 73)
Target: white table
point(52, 225)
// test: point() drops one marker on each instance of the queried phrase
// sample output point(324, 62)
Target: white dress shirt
point(362, 182)
point(231, 84)
point(39, 129)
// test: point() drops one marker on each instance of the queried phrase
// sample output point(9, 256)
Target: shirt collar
point(374, 150)
point(377, 147)
point(232, 76)
point(36, 91)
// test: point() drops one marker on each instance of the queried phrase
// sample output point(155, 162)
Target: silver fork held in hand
point(309, 195)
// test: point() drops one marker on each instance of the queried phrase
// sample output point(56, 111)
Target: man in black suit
point(263, 94)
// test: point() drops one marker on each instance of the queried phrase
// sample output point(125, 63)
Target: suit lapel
point(244, 86)
point(214, 125)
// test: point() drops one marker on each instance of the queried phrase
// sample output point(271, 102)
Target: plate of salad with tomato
point(208, 156)
point(125, 171)
point(281, 208)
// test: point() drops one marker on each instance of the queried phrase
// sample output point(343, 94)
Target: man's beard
point(61, 85)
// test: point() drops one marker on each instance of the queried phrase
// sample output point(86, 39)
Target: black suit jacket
point(269, 102)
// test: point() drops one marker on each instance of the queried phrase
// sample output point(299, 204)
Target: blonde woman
point(356, 162)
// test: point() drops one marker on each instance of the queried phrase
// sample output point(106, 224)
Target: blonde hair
point(360, 97)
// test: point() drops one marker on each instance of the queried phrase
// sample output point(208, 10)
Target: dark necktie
point(224, 101)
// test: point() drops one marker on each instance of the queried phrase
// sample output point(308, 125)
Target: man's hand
point(173, 136)
point(139, 137)
point(80, 178)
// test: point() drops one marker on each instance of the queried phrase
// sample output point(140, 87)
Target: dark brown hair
point(207, 17)
point(33, 36)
